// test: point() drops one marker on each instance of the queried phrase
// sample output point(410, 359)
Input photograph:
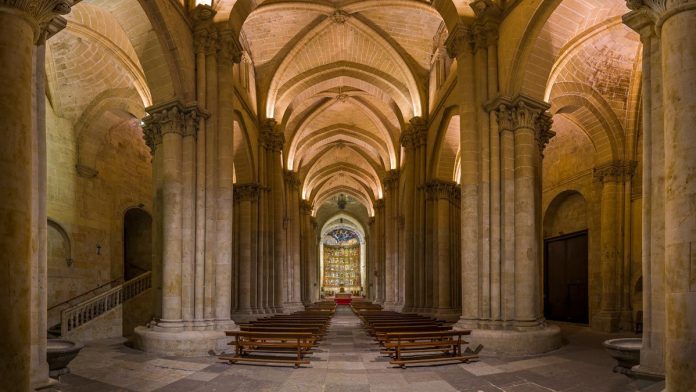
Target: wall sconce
point(98, 250)
point(209, 3)
point(69, 262)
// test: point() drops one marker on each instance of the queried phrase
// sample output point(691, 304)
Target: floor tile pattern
point(348, 361)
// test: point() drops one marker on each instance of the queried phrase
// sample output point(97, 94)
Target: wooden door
point(565, 278)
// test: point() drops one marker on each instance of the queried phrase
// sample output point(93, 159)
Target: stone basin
point(625, 351)
point(59, 353)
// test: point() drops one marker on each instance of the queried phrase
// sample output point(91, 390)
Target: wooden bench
point(296, 344)
point(443, 346)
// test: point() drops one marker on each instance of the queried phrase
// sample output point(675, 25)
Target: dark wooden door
point(565, 278)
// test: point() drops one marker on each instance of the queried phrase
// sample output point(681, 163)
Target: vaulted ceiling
point(341, 78)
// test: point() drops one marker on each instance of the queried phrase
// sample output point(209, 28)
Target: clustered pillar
point(669, 189)
point(392, 263)
point(191, 144)
point(24, 27)
point(413, 139)
point(502, 141)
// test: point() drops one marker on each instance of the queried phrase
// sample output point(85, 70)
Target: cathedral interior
point(519, 174)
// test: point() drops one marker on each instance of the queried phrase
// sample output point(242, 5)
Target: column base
point(181, 344)
point(291, 307)
point(244, 316)
point(606, 321)
point(449, 315)
point(226, 325)
point(392, 307)
point(513, 342)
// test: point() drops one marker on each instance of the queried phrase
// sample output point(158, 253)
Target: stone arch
point(567, 213)
point(547, 32)
point(107, 110)
point(244, 166)
point(59, 264)
point(64, 245)
point(280, 79)
point(446, 147)
point(449, 10)
point(591, 112)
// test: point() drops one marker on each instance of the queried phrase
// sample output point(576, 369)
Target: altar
point(343, 298)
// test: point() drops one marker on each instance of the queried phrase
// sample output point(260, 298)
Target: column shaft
point(526, 243)
point(16, 172)
point(171, 224)
point(679, 87)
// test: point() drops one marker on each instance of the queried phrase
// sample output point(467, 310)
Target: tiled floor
point(349, 361)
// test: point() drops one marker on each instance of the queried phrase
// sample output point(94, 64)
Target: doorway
point(137, 243)
point(566, 278)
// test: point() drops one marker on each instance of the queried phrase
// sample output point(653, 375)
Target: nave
point(349, 360)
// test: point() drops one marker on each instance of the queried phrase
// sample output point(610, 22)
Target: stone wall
point(90, 206)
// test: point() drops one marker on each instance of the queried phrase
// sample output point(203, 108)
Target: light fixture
point(209, 3)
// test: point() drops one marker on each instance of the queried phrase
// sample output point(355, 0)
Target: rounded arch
point(446, 147)
point(108, 109)
point(449, 10)
point(591, 112)
point(244, 166)
point(549, 30)
point(567, 213)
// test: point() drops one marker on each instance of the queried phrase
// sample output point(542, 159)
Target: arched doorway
point(137, 243)
point(566, 295)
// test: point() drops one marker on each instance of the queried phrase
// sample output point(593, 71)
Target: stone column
point(314, 258)
point(441, 195)
point(379, 245)
point(653, 217)
point(413, 140)
point(612, 177)
point(679, 89)
point(518, 326)
point(307, 249)
point(273, 141)
point(22, 26)
point(229, 54)
point(293, 279)
point(164, 127)
point(391, 216)
point(459, 46)
point(246, 195)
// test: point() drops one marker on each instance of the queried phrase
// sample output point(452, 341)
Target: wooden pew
point(294, 345)
point(428, 347)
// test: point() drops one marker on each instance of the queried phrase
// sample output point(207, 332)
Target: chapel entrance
point(566, 278)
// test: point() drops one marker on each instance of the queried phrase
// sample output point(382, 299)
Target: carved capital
point(440, 190)
point(378, 204)
point(305, 207)
point(171, 117)
point(460, 41)
point(658, 10)
point(230, 48)
point(292, 179)
point(247, 192)
point(391, 181)
point(42, 13)
point(416, 133)
point(615, 171)
point(523, 113)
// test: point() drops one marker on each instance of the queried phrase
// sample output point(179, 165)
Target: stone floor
point(349, 361)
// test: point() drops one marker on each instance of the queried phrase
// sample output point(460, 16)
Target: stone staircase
point(86, 311)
